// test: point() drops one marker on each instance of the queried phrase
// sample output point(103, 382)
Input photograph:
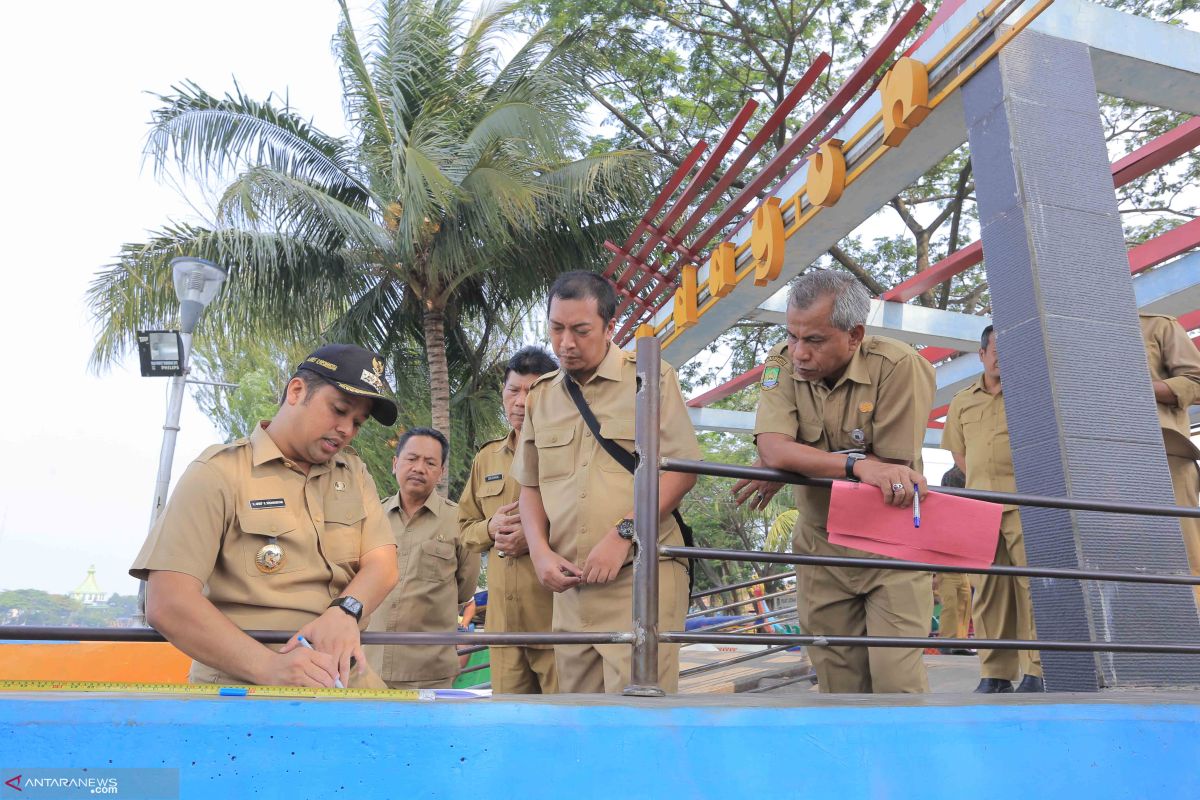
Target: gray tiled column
point(1080, 406)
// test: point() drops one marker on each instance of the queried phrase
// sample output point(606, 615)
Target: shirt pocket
point(437, 562)
point(556, 455)
point(810, 431)
point(620, 432)
point(342, 536)
point(262, 527)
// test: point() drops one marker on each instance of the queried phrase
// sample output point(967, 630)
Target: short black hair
point(983, 337)
point(954, 478)
point(580, 285)
point(312, 382)
point(530, 360)
point(431, 433)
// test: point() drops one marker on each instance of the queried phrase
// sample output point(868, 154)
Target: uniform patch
point(499, 476)
point(866, 406)
point(273, 502)
point(770, 377)
point(371, 379)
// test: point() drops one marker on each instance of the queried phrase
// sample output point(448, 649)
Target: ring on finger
point(897, 488)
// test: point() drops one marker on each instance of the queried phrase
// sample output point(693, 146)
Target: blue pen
point(916, 506)
point(337, 682)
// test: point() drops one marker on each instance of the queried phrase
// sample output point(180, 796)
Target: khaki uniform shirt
point(517, 601)
point(585, 492)
point(881, 403)
point(977, 429)
point(236, 498)
point(437, 573)
point(1174, 359)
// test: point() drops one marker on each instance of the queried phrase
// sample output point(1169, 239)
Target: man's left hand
point(335, 632)
point(606, 558)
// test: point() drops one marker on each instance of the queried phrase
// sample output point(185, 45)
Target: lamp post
point(197, 282)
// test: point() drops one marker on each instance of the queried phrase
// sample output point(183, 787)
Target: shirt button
point(588, 434)
point(583, 463)
point(583, 494)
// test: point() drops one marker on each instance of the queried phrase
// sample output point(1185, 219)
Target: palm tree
point(459, 193)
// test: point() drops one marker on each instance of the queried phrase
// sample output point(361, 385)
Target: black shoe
point(994, 686)
point(1032, 683)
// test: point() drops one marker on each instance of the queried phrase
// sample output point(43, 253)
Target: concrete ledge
point(1106, 746)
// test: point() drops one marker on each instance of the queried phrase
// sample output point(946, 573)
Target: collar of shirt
point(264, 449)
point(435, 504)
point(856, 370)
point(979, 387)
point(609, 368)
point(509, 443)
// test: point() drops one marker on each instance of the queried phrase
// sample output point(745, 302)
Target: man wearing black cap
point(281, 530)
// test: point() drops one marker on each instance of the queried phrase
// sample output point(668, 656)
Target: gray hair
point(851, 303)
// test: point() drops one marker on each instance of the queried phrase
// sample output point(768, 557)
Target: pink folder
point(954, 532)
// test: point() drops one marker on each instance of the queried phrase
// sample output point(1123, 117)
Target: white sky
point(83, 450)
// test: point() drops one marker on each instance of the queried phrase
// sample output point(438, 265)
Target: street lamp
point(197, 282)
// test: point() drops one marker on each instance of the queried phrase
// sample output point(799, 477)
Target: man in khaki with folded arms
point(1175, 374)
point(830, 387)
point(577, 501)
point(279, 531)
point(437, 571)
point(491, 522)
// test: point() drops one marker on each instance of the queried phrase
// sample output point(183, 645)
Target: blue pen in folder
point(916, 506)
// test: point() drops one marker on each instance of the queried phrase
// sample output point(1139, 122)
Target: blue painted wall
point(245, 747)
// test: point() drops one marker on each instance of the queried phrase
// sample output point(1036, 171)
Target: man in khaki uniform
point(437, 571)
point(954, 588)
point(577, 501)
point(1175, 373)
point(490, 520)
point(832, 388)
point(976, 434)
point(279, 531)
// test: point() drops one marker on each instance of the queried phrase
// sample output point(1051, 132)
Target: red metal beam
point(731, 386)
point(832, 107)
point(1190, 321)
point(944, 12)
point(1164, 246)
point(1147, 158)
point(660, 200)
point(936, 354)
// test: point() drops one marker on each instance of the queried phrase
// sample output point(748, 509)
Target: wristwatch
point(851, 460)
point(350, 605)
point(626, 530)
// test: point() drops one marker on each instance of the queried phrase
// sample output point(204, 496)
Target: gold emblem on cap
point(866, 406)
point(377, 365)
point(269, 558)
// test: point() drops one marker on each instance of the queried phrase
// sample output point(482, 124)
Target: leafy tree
point(457, 196)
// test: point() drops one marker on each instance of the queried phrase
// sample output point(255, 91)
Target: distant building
point(89, 592)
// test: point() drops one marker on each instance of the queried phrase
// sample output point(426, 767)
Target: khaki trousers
point(363, 678)
point(604, 668)
point(1004, 610)
point(955, 590)
point(523, 670)
point(1185, 478)
point(862, 602)
point(431, 683)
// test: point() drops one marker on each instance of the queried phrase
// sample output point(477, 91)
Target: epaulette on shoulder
point(891, 349)
point(1150, 315)
point(449, 502)
point(497, 440)
point(629, 355)
point(777, 354)
point(212, 451)
point(546, 376)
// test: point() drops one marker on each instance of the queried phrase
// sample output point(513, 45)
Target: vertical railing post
point(643, 676)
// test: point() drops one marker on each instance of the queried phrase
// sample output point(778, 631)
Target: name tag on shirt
point(273, 502)
point(499, 476)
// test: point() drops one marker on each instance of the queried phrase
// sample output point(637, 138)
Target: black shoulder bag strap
point(629, 461)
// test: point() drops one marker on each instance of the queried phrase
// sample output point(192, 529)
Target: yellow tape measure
point(214, 690)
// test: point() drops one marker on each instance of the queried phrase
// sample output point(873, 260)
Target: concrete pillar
point(1080, 406)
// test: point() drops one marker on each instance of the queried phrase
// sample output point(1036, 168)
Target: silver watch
point(626, 530)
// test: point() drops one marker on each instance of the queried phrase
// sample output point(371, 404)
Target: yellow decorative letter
point(766, 242)
point(905, 92)
point(826, 174)
point(685, 313)
point(722, 270)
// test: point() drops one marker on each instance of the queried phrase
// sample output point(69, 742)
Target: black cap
point(356, 372)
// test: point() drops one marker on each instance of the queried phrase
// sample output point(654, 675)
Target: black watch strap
point(851, 460)
point(350, 605)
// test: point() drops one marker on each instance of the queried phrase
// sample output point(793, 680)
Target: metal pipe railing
point(729, 662)
point(918, 566)
point(74, 634)
point(743, 585)
point(727, 606)
point(643, 673)
point(811, 640)
point(733, 623)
